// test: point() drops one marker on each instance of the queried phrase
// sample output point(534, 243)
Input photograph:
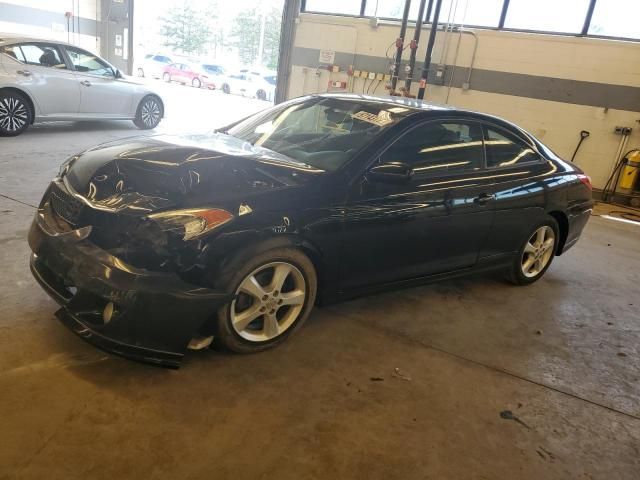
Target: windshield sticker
point(381, 119)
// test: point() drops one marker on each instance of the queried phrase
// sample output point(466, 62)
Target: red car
point(195, 75)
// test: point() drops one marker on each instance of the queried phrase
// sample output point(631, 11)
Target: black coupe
point(148, 243)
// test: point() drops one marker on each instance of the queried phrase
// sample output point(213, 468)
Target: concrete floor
point(562, 355)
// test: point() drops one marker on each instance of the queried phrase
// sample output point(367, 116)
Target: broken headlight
point(192, 222)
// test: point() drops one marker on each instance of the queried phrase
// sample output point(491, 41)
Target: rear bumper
point(155, 314)
point(578, 216)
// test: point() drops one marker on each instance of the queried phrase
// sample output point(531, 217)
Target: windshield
point(322, 132)
point(213, 69)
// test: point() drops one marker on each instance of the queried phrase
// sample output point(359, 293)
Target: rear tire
point(536, 253)
point(166, 77)
point(261, 95)
point(196, 83)
point(141, 73)
point(15, 113)
point(226, 89)
point(150, 112)
point(274, 293)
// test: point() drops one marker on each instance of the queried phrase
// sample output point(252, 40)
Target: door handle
point(484, 198)
point(24, 73)
point(86, 83)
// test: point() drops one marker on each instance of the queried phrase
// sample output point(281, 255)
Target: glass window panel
point(503, 149)
point(439, 148)
point(322, 132)
point(482, 13)
point(566, 16)
point(344, 7)
point(391, 9)
point(616, 18)
point(88, 63)
point(43, 55)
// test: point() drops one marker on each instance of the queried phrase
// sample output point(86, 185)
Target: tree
point(186, 29)
point(245, 36)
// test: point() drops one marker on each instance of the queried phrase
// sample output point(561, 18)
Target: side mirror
point(390, 172)
point(117, 74)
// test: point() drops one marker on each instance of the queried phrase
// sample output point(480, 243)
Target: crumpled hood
point(145, 174)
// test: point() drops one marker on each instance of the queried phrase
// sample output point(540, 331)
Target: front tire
point(196, 83)
point(150, 112)
point(166, 77)
point(536, 253)
point(226, 89)
point(274, 293)
point(15, 113)
point(261, 95)
point(141, 73)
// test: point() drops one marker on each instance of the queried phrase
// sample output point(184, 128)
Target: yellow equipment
point(630, 172)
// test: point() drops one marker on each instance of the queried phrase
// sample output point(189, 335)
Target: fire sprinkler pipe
point(400, 45)
point(429, 54)
point(414, 46)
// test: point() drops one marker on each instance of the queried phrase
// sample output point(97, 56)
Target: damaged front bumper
point(139, 314)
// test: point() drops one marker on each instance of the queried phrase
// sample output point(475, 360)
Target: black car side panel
point(522, 198)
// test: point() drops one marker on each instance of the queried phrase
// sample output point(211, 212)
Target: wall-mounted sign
point(327, 56)
point(118, 40)
point(118, 52)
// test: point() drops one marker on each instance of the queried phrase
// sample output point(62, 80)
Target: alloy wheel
point(14, 114)
point(538, 251)
point(268, 301)
point(150, 113)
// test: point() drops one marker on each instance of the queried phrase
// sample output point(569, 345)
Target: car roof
point(8, 38)
point(416, 105)
point(391, 101)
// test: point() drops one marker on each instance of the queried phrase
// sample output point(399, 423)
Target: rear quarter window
point(505, 149)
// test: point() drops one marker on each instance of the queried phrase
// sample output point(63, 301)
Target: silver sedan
point(44, 80)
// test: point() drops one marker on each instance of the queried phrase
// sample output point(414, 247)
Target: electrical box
point(372, 75)
point(356, 73)
point(387, 78)
point(380, 76)
point(337, 84)
point(364, 74)
point(335, 68)
point(440, 73)
point(623, 130)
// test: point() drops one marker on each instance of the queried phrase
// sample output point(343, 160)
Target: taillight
point(586, 180)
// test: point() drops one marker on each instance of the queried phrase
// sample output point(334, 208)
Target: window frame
point(503, 15)
point(525, 140)
point(422, 123)
point(58, 48)
point(86, 52)
point(484, 168)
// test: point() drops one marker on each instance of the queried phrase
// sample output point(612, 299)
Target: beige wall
point(604, 62)
point(46, 19)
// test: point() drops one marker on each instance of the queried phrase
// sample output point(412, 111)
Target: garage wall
point(554, 86)
point(46, 19)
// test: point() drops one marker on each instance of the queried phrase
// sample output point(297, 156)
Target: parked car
point(149, 242)
point(199, 75)
point(44, 80)
point(251, 83)
point(153, 65)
